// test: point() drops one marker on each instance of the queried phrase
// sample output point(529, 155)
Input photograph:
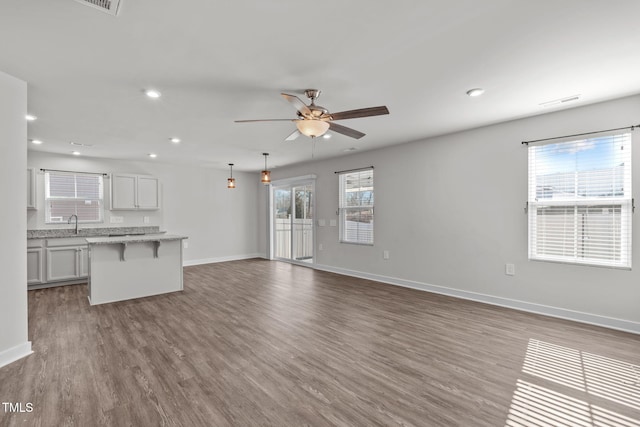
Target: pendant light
point(266, 174)
point(231, 181)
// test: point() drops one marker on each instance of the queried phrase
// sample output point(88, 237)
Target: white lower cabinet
point(60, 261)
point(35, 266)
point(63, 263)
point(84, 261)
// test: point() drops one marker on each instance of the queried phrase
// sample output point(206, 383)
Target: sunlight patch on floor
point(583, 389)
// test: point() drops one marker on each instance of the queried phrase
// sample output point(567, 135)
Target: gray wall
point(450, 211)
point(221, 224)
point(13, 262)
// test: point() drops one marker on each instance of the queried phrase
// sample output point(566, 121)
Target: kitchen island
point(134, 266)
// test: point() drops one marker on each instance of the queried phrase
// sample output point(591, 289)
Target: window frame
point(48, 199)
point(343, 209)
point(588, 206)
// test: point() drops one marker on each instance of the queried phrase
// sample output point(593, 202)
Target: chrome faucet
point(69, 222)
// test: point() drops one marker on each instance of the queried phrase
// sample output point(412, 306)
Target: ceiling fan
point(314, 120)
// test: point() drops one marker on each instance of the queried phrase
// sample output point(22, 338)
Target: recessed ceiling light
point(75, 153)
point(153, 155)
point(30, 117)
point(326, 136)
point(175, 140)
point(36, 141)
point(475, 92)
point(152, 93)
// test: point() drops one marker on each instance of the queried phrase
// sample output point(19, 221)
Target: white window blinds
point(580, 201)
point(71, 193)
point(356, 206)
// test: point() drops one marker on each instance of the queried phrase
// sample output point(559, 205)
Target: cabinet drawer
point(35, 243)
point(66, 241)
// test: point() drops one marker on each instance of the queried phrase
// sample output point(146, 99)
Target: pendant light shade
point(312, 127)
point(265, 174)
point(231, 181)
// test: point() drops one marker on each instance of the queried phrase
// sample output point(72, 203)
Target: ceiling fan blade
point(296, 133)
point(297, 103)
point(264, 120)
point(345, 130)
point(361, 112)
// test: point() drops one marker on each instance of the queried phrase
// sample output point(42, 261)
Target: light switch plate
point(333, 223)
point(510, 269)
point(322, 223)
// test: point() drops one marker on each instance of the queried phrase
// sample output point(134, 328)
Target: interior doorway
point(293, 231)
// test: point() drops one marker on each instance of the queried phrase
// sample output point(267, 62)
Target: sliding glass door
point(293, 231)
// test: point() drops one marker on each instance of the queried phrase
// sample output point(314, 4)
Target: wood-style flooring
point(262, 343)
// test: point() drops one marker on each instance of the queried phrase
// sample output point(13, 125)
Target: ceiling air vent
point(112, 7)
point(555, 102)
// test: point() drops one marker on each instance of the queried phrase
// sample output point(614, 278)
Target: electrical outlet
point(322, 223)
point(385, 254)
point(116, 219)
point(333, 223)
point(145, 219)
point(320, 247)
point(510, 269)
point(185, 244)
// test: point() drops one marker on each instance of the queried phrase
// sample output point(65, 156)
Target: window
point(68, 193)
point(356, 207)
point(580, 201)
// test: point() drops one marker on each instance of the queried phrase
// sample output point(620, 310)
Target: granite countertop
point(133, 239)
point(54, 233)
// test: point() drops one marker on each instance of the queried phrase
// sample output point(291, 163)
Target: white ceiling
point(220, 61)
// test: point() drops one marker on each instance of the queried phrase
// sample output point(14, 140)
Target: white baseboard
point(562, 313)
point(14, 353)
point(220, 259)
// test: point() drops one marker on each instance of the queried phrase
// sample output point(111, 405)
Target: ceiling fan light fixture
point(312, 127)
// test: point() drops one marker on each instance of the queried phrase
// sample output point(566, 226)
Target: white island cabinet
point(127, 267)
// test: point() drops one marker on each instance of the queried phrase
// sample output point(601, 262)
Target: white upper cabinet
point(31, 189)
point(134, 192)
point(148, 192)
